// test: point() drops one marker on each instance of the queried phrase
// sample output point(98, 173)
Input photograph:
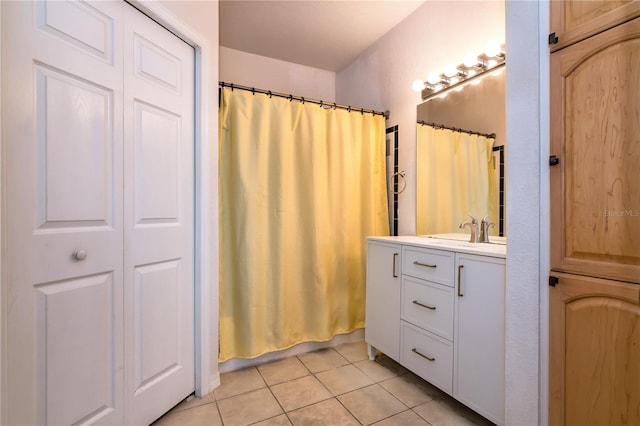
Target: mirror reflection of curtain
point(456, 178)
point(300, 189)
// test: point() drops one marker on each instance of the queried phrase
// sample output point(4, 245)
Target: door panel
point(157, 319)
point(75, 120)
point(75, 329)
point(157, 164)
point(594, 340)
point(156, 64)
point(159, 218)
point(63, 191)
point(576, 20)
point(80, 24)
point(594, 189)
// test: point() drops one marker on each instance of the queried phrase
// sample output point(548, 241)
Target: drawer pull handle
point(395, 256)
point(426, 265)
point(460, 280)
point(415, 302)
point(415, 351)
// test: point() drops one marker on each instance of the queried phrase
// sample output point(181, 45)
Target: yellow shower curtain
point(300, 188)
point(457, 179)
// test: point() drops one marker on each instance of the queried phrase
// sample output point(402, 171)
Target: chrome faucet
point(484, 229)
point(473, 226)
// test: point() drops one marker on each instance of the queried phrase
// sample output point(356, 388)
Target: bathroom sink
point(459, 239)
point(456, 243)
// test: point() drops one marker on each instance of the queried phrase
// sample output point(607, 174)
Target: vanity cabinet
point(450, 317)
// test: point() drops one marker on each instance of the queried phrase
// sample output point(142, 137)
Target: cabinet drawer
point(427, 355)
point(428, 305)
point(432, 265)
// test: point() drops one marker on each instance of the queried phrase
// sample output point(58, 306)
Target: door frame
point(205, 191)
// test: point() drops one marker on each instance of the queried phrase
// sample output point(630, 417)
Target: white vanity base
point(436, 306)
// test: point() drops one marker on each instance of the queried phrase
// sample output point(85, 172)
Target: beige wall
point(247, 69)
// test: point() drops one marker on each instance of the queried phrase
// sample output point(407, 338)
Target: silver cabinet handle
point(460, 280)
point(80, 254)
point(415, 302)
point(426, 265)
point(415, 351)
point(395, 256)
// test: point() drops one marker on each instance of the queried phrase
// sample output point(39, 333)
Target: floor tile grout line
point(274, 397)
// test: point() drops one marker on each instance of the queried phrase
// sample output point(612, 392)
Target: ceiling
point(325, 34)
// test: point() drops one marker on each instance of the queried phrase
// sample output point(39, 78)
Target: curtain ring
point(253, 90)
point(349, 109)
point(321, 103)
point(232, 87)
point(361, 111)
point(269, 94)
point(302, 99)
point(290, 98)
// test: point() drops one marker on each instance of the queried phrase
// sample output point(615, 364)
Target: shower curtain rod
point(455, 129)
point(322, 104)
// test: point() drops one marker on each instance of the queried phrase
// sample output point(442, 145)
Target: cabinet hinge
point(553, 38)
point(553, 281)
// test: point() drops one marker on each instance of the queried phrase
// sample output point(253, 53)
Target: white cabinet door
point(382, 329)
point(479, 335)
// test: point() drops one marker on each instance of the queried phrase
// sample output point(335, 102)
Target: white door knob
point(79, 254)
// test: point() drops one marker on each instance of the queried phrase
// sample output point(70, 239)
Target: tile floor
point(338, 386)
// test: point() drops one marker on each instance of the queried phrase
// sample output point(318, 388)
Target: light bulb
point(437, 87)
point(492, 49)
point(470, 60)
point(453, 80)
point(471, 73)
point(418, 85)
point(492, 63)
point(433, 78)
point(450, 70)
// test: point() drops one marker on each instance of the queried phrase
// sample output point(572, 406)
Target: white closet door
point(62, 113)
point(98, 162)
point(159, 218)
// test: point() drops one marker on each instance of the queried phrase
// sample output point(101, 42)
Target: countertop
point(452, 242)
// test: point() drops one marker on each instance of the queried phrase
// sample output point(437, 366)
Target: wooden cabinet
point(595, 189)
point(594, 312)
point(450, 317)
point(573, 21)
point(382, 331)
point(595, 352)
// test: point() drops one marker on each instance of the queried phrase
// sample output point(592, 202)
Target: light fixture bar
point(428, 93)
point(474, 67)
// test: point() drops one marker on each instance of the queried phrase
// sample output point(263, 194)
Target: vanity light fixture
point(473, 67)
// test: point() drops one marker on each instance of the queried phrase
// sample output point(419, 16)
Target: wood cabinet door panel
point(573, 21)
point(594, 340)
point(595, 190)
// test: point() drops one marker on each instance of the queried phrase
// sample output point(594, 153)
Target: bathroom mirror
point(480, 108)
